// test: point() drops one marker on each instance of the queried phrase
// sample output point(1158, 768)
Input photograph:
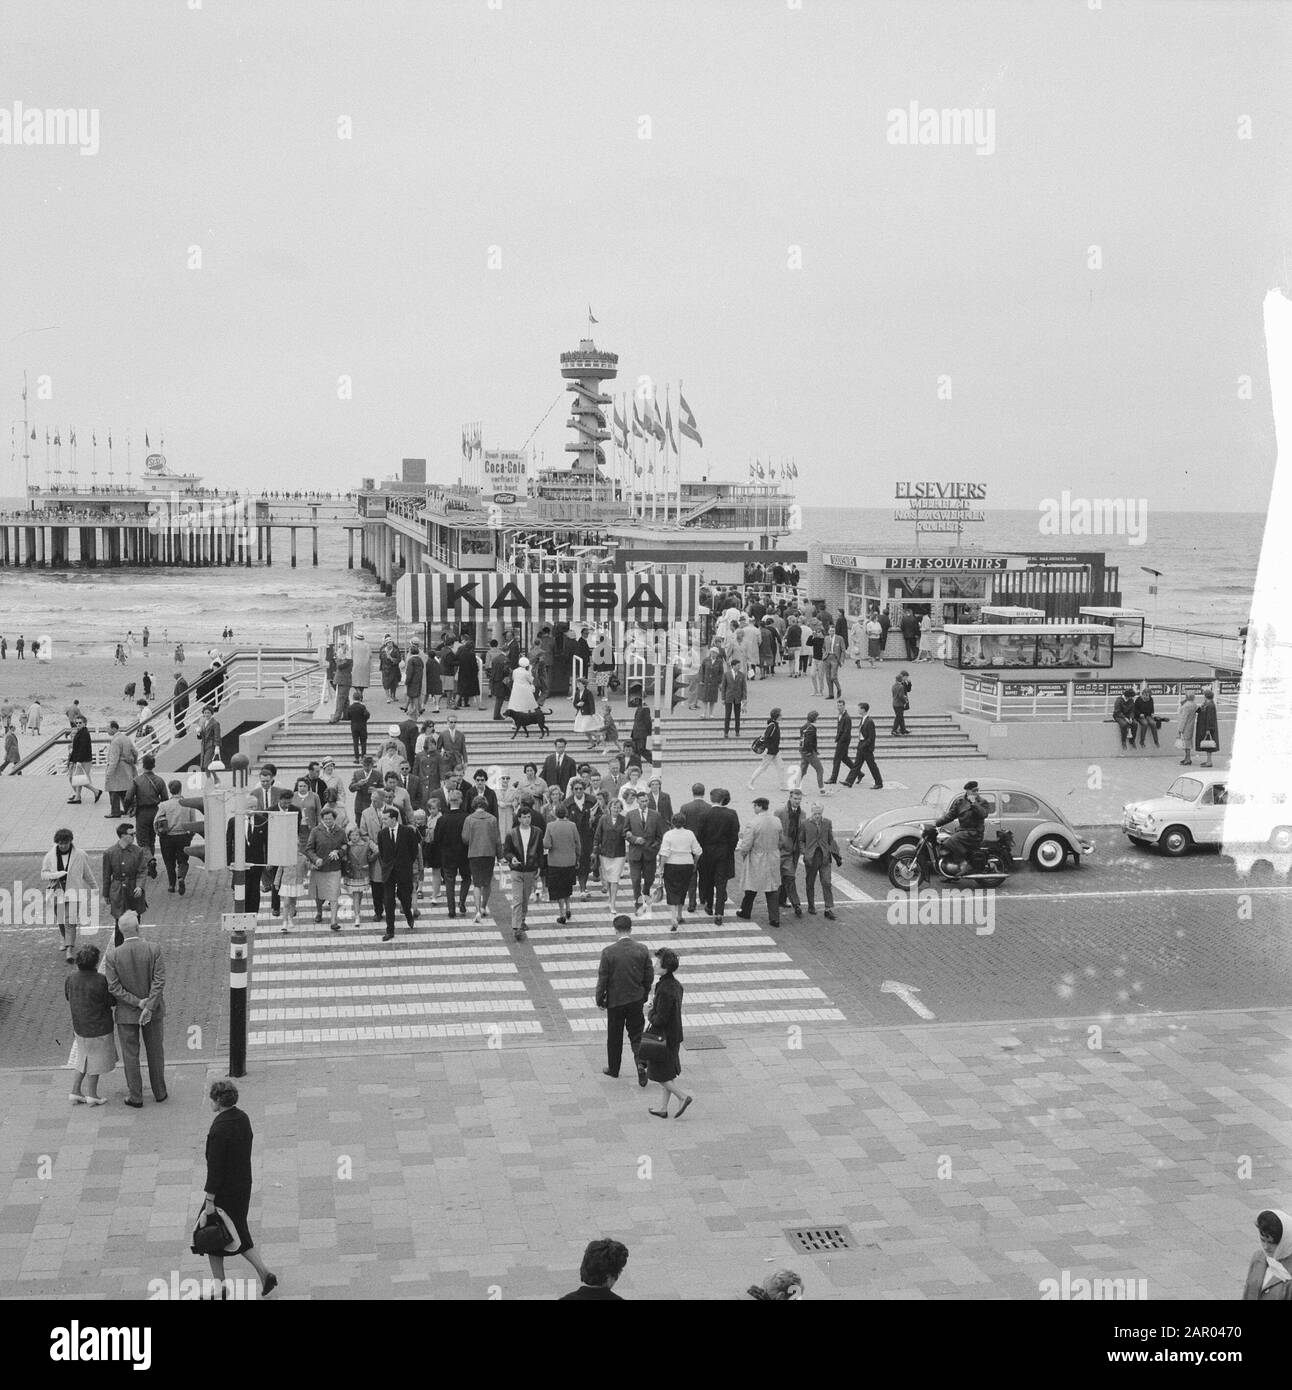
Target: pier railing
point(1210, 648)
point(247, 674)
point(1056, 701)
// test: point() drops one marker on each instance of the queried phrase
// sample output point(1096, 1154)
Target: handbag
point(1179, 742)
point(759, 745)
point(1207, 743)
point(212, 1234)
point(652, 1048)
point(81, 779)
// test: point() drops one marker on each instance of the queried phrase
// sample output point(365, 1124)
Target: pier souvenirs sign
point(464, 598)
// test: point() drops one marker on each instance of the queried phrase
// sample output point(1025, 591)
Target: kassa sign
point(641, 598)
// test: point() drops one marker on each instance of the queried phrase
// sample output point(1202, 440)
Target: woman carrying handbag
point(661, 1044)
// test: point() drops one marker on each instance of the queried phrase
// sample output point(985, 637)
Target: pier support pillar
point(314, 530)
point(260, 544)
point(269, 545)
point(350, 537)
point(293, 531)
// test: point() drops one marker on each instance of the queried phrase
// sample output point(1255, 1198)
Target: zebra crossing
point(461, 979)
point(313, 985)
point(734, 974)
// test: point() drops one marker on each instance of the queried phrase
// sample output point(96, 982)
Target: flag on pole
point(147, 445)
point(33, 432)
point(794, 469)
point(657, 425)
point(686, 421)
point(751, 468)
point(621, 425)
point(47, 437)
point(638, 429)
point(94, 439)
point(668, 425)
point(590, 318)
point(758, 467)
point(57, 445)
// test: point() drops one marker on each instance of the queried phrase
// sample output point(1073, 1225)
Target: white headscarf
point(1275, 1271)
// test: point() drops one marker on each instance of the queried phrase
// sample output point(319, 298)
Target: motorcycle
point(988, 866)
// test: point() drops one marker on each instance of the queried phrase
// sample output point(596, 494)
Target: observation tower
point(584, 371)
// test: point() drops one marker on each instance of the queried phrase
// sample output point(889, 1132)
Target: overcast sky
point(520, 128)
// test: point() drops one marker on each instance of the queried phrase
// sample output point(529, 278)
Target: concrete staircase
point(687, 739)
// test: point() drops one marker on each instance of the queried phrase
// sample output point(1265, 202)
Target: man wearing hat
point(125, 871)
point(970, 810)
point(361, 654)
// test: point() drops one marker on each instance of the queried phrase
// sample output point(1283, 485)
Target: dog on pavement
point(524, 722)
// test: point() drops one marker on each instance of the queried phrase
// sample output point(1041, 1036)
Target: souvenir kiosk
point(1013, 646)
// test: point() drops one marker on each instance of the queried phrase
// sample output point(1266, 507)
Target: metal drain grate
point(818, 1240)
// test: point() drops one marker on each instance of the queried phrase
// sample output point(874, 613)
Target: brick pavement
point(968, 1162)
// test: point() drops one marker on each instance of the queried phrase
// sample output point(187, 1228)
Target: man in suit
point(499, 675)
point(791, 818)
point(452, 743)
point(612, 779)
point(453, 854)
point(819, 847)
point(364, 781)
point(398, 848)
point(901, 694)
point(842, 739)
point(259, 875)
point(910, 625)
point(865, 757)
point(125, 867)
point(659, 800)
point(266, 796)
point(559, 767)
point(623, 983)
point(179, 708)
point(136, 978)
point(718, 834)
point(693, 813)
point(511, 648)
point(644, 833)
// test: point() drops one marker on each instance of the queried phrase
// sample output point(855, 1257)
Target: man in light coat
point(758, 863)
point(136, 978)
point(120, 776)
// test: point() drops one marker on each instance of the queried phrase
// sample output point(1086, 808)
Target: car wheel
point(1176, 840)
point(1281, 840)
point(1049, 853)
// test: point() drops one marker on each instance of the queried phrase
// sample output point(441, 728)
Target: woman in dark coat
point(80, 764)
point(666, 1020)
point(1207, 726)
point(468, 675)
point(1268, 1277)
point(449, 673)
point(434, 685)
point(228, 1178)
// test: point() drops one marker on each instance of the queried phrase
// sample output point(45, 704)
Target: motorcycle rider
point(970, 810)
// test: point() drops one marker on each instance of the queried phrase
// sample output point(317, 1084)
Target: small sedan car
point(1042, 833)
point(1199, 808)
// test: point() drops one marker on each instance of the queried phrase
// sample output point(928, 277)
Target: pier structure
point(154, 525)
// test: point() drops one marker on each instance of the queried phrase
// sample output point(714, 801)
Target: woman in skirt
point(561, 847)
point(666, 1020)
point(585, 712)
point(95, 1047)
point(228, 1180)
point(290, 884)
point(449, 675)
point(326, 851)
point(679, 852)
point(434, 687)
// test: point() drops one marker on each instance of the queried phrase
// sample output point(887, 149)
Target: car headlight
point(874, 840)
point(1148, 821)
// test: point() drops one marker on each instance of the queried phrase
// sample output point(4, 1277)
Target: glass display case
point(1011, 646)
point(1127, 624)
point(990, 614)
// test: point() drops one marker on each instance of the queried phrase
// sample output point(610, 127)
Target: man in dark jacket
point(398, 847)
point(179, 709)
point(901, 696)
point(842, 739)
point(969, 810)
point(559, 767)
point(865, 756)
point(645, 832)
point(719, 834)
point(693, 814)
point(357, 713)
point(623, 983)
point(911, 633)
point(641, 734)
point(1145, 718)
point(584, 814)
point(791, 818)
point(1124, 715)
point(125, 867)
point(453, 854)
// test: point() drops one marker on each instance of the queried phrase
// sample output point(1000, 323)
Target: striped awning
point(577, 597)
